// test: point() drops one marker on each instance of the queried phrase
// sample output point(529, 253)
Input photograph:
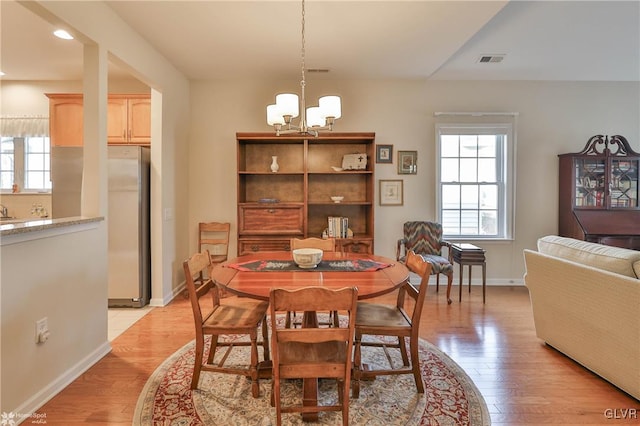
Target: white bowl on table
point(307, 258)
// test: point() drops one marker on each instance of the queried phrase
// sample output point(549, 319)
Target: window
point(475, 180)
point(25, 161)
point(7, 163)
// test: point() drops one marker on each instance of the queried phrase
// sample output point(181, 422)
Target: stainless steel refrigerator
point(128, 217)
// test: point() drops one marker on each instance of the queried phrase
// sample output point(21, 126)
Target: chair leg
point(449, 284)
point(276, 399)
point(265, 340)
point(253, 369)
point(402, 346)
point(197, 363)
point(415, 364)
point(356, 365)
point(345, 402)
point(212, 349)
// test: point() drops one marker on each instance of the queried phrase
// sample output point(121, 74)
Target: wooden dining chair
point(214, 236)
point(400, 321)
point(217, 317)
point(324, 244)
point(309, 353)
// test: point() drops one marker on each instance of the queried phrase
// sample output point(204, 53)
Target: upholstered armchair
point(425, 239)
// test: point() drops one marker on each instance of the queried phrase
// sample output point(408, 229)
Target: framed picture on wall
point(384, 154)
point(390, 192)
point(407, 162)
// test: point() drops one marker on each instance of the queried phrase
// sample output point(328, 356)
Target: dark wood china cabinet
point(599, 193)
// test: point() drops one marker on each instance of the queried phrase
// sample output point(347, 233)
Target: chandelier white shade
point(288, 106)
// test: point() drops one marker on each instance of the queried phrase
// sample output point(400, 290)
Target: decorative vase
point(274, 163)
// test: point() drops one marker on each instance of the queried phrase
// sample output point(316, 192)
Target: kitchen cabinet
point(295, 201)
point(128, 119)
point(65, 119)
point(598, 195)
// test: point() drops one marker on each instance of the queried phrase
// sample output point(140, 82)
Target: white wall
point(554, 118)
point(59, 277)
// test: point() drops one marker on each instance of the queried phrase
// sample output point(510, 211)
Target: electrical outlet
point(42, 330)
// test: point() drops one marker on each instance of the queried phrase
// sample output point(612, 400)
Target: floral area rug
point(450, 396)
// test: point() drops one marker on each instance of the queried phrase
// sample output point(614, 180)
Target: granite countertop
point(28, 225)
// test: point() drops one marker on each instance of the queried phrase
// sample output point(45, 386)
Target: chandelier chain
point(303, 113)
point(303, 43)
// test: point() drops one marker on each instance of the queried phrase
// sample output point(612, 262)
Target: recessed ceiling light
point(63, 34)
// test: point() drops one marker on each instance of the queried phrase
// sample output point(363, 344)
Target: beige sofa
point(586, 304)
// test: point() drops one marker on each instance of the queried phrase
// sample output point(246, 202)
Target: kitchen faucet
point(4, 213)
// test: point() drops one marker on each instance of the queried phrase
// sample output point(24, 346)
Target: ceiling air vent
point(318, 70)
point(490, 59)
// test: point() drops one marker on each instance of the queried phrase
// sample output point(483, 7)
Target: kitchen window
point(25, 150)
point(475, 180)
point(25, 162)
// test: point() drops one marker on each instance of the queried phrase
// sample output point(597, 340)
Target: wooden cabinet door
point(139, 119)
point(66, 120)
point(117, 121)
point(353, 245)
point(129, 120)
point(281, 220)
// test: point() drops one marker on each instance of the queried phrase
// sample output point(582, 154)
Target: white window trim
point(509, 202)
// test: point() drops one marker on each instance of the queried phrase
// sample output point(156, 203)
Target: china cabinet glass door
point(590, 182)
point(623, 183)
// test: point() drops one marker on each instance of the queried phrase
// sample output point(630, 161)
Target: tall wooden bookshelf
point(295, 201)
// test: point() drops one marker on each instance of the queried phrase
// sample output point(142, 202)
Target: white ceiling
point(542, 40)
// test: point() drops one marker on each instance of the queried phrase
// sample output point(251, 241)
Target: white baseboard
point(168, 298)
point(494, 282)
point(30, 406)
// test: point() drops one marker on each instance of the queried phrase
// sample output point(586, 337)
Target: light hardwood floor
point(523, 381)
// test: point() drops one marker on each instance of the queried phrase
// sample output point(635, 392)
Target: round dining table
point(233, 276)
point(254, 275)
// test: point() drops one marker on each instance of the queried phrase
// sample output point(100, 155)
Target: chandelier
point(288, 107)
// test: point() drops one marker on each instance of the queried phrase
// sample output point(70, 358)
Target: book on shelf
point(337, 226)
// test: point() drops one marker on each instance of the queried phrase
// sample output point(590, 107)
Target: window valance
point(24, 126)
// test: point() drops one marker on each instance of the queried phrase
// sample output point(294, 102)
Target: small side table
point(468, 254)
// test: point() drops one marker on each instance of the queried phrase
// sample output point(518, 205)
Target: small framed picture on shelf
point(407, 162)
point(390, 192)
point(384, 154)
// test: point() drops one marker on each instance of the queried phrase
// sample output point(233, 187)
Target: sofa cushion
point(613, 259)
